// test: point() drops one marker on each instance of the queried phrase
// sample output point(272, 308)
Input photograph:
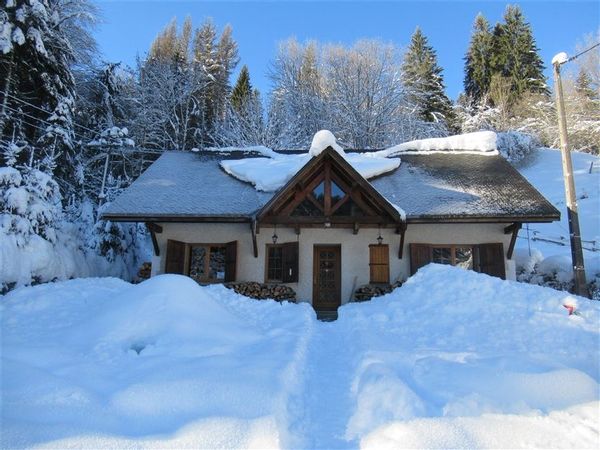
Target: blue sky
point(129, 27)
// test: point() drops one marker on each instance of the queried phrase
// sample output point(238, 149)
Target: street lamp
point(575, 234)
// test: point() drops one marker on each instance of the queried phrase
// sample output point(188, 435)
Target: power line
point(583, 52)
point(44, 110)
point(16, 111)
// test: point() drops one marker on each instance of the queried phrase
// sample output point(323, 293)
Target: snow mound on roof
point(270, 173)
point(481, 142)
point(323, 139)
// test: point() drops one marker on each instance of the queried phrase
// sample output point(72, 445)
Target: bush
point(516, 146)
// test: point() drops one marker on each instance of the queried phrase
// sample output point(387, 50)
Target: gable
point(328, 191)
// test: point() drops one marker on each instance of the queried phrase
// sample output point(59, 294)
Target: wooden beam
point(509, 229)
point(254, 243)
point(513, 239)
point(153, 229)
point(401, 249)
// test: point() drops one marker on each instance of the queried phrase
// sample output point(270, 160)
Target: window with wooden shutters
point(484, 258)
point(205, 263)
point(379, 263)
point(282, 263)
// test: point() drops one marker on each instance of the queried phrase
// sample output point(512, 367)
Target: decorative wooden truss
point(328, 192)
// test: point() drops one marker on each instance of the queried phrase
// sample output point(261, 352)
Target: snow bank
point(480, 142)
point(271, 173)
point(100, 363)
point(441, 361)
point(555, 430)
point(451, 359)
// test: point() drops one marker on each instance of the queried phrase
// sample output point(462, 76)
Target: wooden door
point(327, 277)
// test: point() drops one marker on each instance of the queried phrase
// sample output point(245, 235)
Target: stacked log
point(145, 271)
point(263, 291)
point(368, 291)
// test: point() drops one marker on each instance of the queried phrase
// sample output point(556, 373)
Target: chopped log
point(263, 291)
point(368, 291)
point(145, 271)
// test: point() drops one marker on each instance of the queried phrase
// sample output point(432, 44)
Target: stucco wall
point(354, 248)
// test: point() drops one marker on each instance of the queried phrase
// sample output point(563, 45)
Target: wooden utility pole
point(576, 249)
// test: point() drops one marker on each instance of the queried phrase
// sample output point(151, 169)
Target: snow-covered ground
point(544, 171)
point(451, 359)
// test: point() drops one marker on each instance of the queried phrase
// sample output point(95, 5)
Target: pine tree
point(36, 72)
point(583, 86)
point(423, 79)
point(242, 91)
point(477, 61)
point(515, 54)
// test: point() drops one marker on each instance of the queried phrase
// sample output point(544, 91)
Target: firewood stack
point(368, 291)
point(262, 291)
point(145, 271)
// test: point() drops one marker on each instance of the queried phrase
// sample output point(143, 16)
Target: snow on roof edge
point(479, 142)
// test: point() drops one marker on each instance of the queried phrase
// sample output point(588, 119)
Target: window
point(485, 258)
point(282, 263)
point(460, 256)
point(275, 263)
point(208, 262)
point(379, 263)
point(205, 263)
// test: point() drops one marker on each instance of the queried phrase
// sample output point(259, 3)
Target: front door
point(327, 277)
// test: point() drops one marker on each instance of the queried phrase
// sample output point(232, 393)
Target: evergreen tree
point(35, 66)
point(423, 79)
point(242, 91)
point(583, 86)
point(515, 54)
point(477, 61)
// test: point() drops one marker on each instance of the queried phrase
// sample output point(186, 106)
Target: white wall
point(354, 248)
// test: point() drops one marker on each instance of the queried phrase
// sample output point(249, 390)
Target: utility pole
point(575, 234)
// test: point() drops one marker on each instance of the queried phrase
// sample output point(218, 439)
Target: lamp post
point(574, 233)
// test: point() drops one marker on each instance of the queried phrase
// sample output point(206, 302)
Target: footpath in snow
point(452, 359)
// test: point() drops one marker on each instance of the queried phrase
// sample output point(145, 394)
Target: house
point(327, 229)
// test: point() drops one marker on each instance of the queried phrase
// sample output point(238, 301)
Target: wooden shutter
point(379, 263)
point(420, 255)
point(230, 260)
point(489, 259)
point(175, 261)
point(290, 262)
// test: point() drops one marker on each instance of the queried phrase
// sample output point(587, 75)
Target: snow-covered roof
point(183, 186)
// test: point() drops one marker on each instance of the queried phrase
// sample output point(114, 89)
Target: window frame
point(290, 262)
point(207, 247)
point(453, 248)
point(267, 260)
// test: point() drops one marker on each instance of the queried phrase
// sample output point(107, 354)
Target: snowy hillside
point(552, 240)
point(100, 363)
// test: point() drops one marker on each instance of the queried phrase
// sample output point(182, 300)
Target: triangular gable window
point(328, 190)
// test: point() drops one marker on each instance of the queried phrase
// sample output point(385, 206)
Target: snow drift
point(99, 363)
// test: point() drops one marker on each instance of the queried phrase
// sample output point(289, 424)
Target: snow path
point(328, 401)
